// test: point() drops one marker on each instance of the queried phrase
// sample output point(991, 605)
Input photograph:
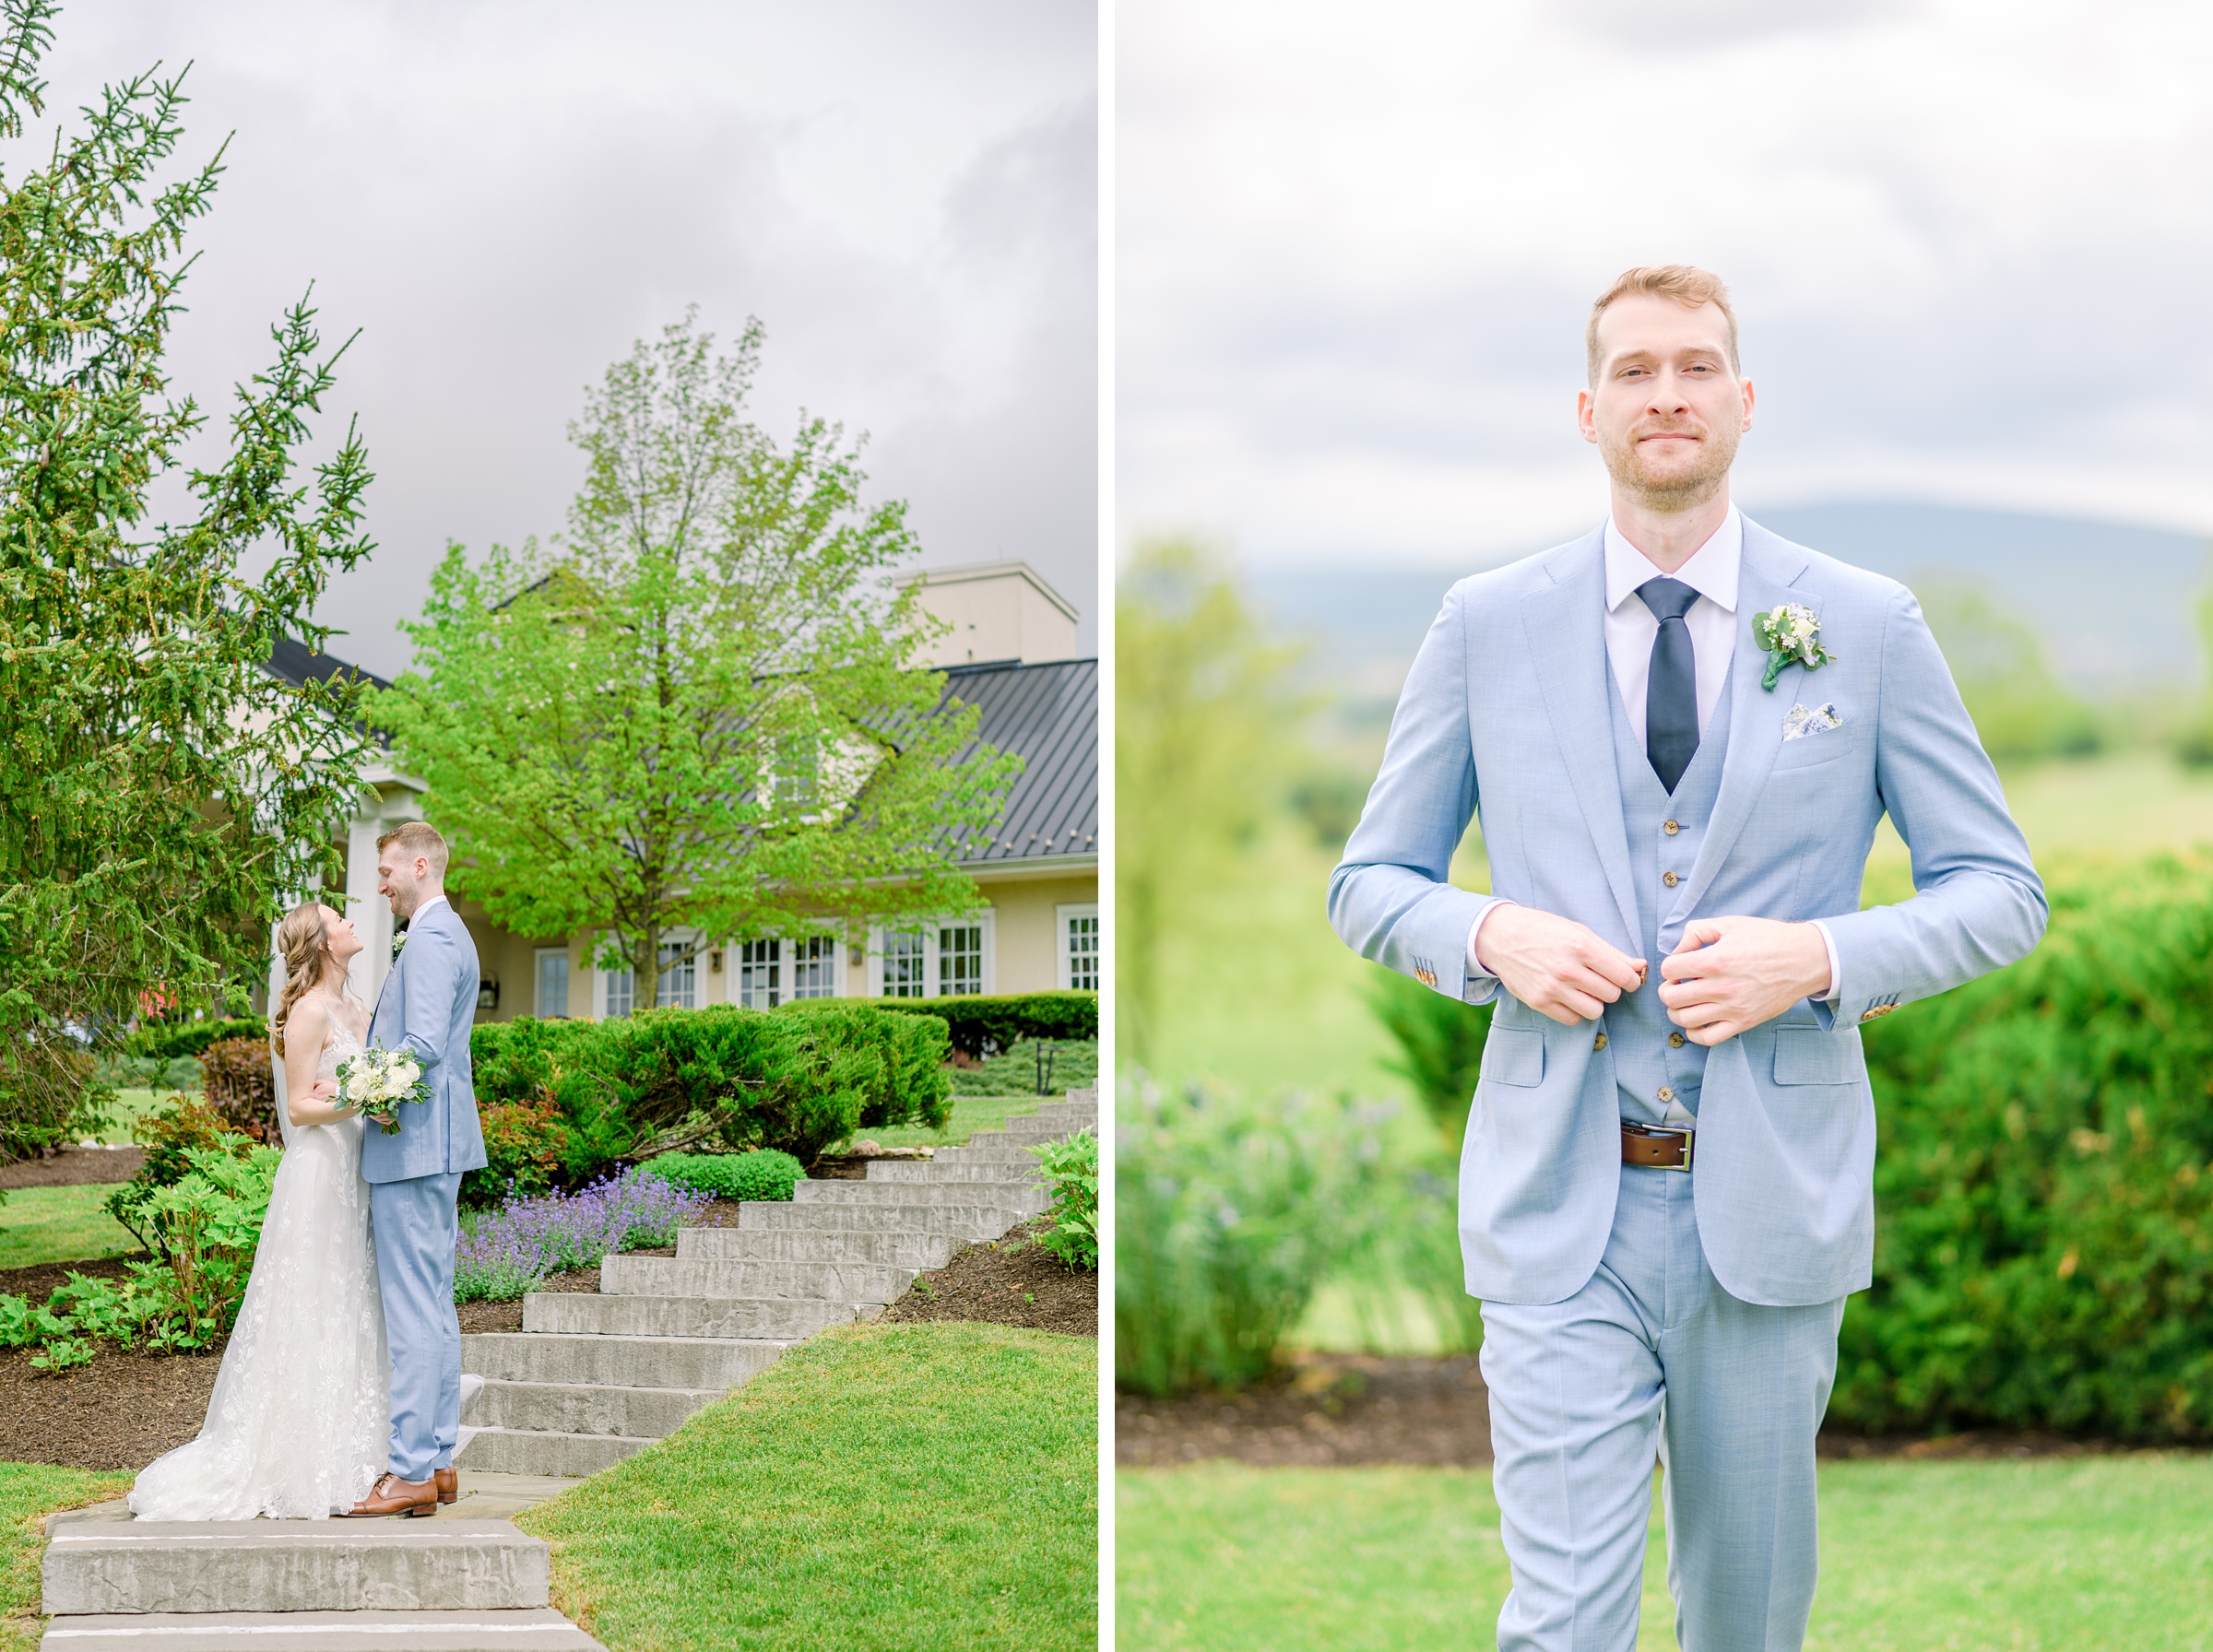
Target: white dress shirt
point(1631, 628)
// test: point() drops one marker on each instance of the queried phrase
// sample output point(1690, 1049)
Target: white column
point(392, 800)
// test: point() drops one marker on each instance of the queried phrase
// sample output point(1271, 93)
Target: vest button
point(1675, 1041)
point(1666, 1093)
point(1669, 880)
point(1671, 827)
point(1599, 1042)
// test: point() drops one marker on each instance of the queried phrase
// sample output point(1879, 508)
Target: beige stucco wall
point(1027, 939)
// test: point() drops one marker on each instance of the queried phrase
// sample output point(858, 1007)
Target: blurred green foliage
point(1440, 1045)
point(2020, 708)
point(2044, 1181)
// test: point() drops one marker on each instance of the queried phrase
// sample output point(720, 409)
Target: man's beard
point(1679, 490)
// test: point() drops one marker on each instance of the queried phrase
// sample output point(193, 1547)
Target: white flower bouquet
point(374, 1082)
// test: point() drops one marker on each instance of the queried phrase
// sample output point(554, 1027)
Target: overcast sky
point(502, 197)
point(1969, 245)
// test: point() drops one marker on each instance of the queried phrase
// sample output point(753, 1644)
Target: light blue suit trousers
point(415, 1229)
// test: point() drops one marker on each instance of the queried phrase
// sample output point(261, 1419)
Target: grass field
point(970, 1113)
point(2051, 1555)
point(29, 1493)
point(59, 1224)
point(903, 1486)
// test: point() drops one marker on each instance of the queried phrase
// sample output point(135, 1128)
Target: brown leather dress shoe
point(392, 1495)
point(448, 1482)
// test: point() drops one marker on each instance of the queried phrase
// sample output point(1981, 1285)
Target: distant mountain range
point(2115, 604)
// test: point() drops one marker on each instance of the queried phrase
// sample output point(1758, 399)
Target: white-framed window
point(906, 964)
point(616, 990)
point(552, 996)
point(813, 966)
point(944, 958)
point(678, 986)
point(761, 974)
point(777, 968)
point(1078, 966)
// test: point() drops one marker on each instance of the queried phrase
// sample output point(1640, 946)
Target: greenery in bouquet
point(376, 1082)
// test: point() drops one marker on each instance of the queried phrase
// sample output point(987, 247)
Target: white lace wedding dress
point(297, 1426)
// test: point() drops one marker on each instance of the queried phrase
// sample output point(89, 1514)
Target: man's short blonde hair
point(1686, 283)
point(418, 838)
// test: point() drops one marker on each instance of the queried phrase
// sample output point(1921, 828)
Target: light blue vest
point(1637, 1028)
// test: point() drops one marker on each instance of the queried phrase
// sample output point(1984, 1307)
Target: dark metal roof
point(296, 663)
point(1049, 713)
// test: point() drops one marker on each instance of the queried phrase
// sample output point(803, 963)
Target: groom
point(427, 1007)
point(1666, 1192)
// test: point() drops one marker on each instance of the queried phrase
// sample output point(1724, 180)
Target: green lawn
point(900, 1486)
point(130, 1104)
point(59, 1224)
point(29, 1493)
point(970, 1113)
point(2052, 1555)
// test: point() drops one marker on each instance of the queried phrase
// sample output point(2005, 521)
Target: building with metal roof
point(1004, 652)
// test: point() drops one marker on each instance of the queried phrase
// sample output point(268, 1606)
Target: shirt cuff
point(1475, 964)
point(1836, 976)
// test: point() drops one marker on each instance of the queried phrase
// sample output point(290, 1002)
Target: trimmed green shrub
point(765, 1174)
point(798, 1082)
point(2044, 1182)
point(983, 1026)
point(165, 1041)
point(1039, 1066)
point(1228, 1213)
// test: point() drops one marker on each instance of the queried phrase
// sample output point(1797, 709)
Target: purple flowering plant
point(507, 1251)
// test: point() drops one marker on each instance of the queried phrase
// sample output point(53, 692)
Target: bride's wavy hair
point(304, 945)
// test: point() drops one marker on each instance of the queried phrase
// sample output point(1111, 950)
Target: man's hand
point(1728, 975)
point(1554, 964)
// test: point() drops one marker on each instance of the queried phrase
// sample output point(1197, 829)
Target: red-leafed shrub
point(236, 1082)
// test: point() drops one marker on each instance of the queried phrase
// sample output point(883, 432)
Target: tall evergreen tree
point(159, 792)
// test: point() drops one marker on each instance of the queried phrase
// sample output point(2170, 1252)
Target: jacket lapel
point(1567, 638)
point(1770, 568)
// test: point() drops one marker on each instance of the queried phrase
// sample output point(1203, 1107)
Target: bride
point(297, 1427)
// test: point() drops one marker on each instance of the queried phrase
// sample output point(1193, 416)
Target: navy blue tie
point(1671, 693)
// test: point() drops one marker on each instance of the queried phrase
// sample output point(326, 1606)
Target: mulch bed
point(75, 1167)
point(1336, 1411)
point(1006, 1282)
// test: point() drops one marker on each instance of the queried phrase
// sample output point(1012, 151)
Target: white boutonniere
point(1790, 632)
point(399, 936)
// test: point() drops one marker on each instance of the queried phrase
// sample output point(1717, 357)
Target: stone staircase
point(586, 1381)
point(590, 1379)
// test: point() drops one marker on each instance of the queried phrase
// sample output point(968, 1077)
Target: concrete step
point(718, 1362)
point(942, 1171)
point(984, 1219)
point(1028, 1198)
point(1034, 1136)
point(544, 1451)
point(292, 1565)
point(1087, 1112)
point(782, 1318)
point(811, 1282)
point(543, 1630)
point(589, 1408)
point(1016, 1155)
point(814, 1244)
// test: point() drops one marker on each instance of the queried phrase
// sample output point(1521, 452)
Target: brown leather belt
point(1656, 1148)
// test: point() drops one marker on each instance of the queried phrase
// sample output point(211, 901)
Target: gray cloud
point(502, 197)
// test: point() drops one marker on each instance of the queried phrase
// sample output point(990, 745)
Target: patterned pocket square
point(1798, 722)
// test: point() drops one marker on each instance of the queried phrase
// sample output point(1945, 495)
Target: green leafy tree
point(2022, 711)
point(158, 790)
point(702, 713)
point(1202, 754)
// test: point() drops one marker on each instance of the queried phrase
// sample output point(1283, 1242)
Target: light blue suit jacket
point(1506, 713)
point(428, 1005)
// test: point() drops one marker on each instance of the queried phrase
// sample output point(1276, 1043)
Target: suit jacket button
point(1599, 1042)
point(1671, 827)
point(1669, 880)
point(1675, 1041)
point(1667, 1094)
